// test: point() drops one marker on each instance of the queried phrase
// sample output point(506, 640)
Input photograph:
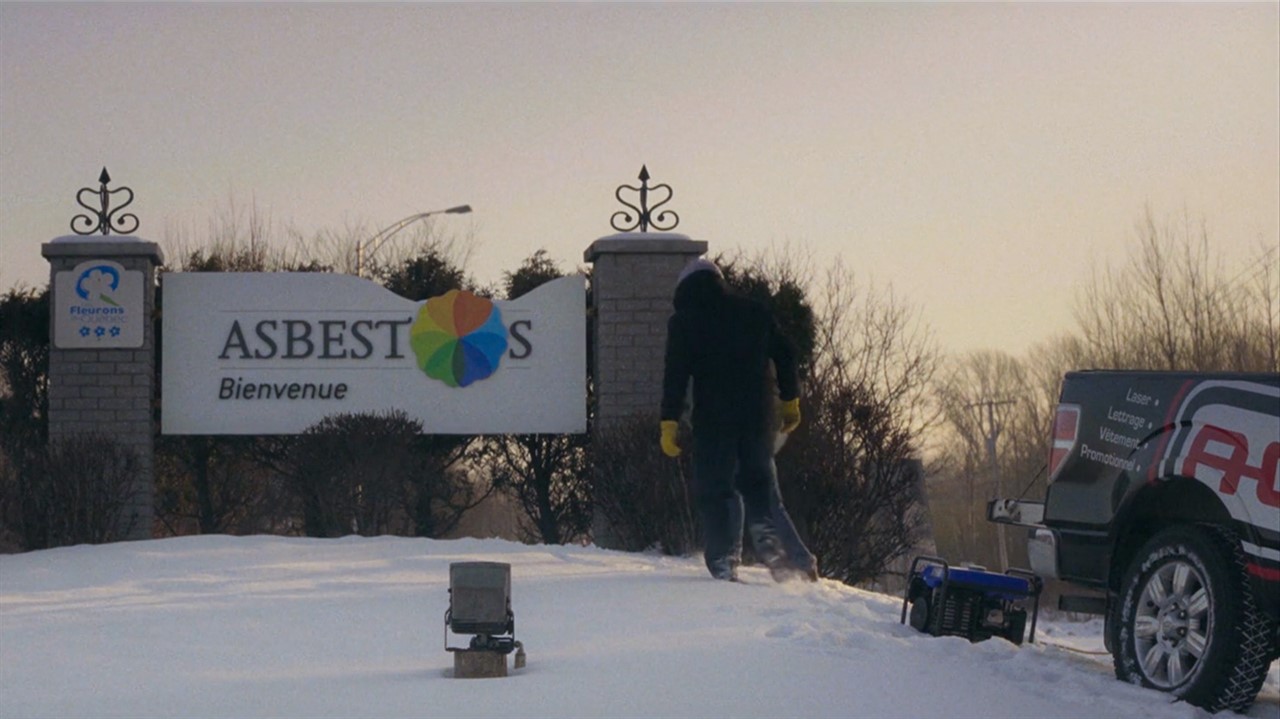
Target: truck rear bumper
point(1042, 551)
point(1042, 542)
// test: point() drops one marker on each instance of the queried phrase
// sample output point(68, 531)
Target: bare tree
point(239, 238)
point(1263, 323)
point(24, 407)
point(992, 444)
point(547, 475)
point(1176, 306)
point(850, 473)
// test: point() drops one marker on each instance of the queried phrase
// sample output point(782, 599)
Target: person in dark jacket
point(725, 343)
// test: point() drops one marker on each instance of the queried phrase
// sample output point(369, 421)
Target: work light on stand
point(480, 606)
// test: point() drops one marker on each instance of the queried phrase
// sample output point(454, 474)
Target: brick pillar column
point(102, 369)
point(633, 280)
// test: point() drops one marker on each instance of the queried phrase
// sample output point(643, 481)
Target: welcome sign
point(275, 353)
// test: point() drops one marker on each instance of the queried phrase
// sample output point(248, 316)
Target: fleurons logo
point(98, 284)
point(98, 304)
point(458, 338)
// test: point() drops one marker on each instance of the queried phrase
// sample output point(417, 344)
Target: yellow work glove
point(790, 415)
point(669, 445)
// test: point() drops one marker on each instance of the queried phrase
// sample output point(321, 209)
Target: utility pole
point(992, 431)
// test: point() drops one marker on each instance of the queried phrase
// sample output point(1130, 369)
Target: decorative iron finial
point(622, 220)
point(106, 220)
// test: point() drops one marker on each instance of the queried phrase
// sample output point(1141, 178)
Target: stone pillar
point(102, 358)
point(633, 280)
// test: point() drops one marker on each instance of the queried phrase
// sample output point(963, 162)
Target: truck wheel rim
point(1173, 624)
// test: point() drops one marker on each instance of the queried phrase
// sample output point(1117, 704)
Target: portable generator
point(970, 602)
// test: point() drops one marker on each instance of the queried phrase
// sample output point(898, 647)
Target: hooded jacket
point(725, 343)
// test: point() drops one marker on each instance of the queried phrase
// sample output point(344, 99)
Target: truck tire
point(1187, 622)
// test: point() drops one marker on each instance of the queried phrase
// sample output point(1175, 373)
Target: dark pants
point(736, 482)
point(798, 555)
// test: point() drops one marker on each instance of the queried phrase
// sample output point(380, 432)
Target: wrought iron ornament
point(106, 221)
point(622, 220)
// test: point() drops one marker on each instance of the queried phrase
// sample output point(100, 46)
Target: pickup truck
point(1163, 511)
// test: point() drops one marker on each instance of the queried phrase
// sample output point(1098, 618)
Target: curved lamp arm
point(372, 244)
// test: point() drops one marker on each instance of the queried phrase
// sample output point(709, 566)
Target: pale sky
point(979, 158)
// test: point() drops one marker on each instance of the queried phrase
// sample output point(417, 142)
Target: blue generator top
point(1004, 586)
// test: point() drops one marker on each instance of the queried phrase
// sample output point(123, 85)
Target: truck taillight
point(1066, 427)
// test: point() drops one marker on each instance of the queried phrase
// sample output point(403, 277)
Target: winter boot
point(724, 569)
point(769, 552)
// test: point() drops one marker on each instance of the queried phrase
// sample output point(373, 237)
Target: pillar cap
point(645, 243)
point(102, 246)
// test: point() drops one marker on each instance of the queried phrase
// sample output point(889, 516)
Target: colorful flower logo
point(458, 338)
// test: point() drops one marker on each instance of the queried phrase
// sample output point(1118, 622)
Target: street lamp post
point(372, 244)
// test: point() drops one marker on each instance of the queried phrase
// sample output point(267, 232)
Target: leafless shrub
point(850, 484)
point(215, 485)
point(373, 474)
point(82, 493)
point(550, 479)
point(643, 495)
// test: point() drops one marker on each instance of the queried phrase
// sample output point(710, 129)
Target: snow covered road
point(286, 627)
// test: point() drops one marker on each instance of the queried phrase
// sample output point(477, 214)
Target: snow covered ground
point(283, 627)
